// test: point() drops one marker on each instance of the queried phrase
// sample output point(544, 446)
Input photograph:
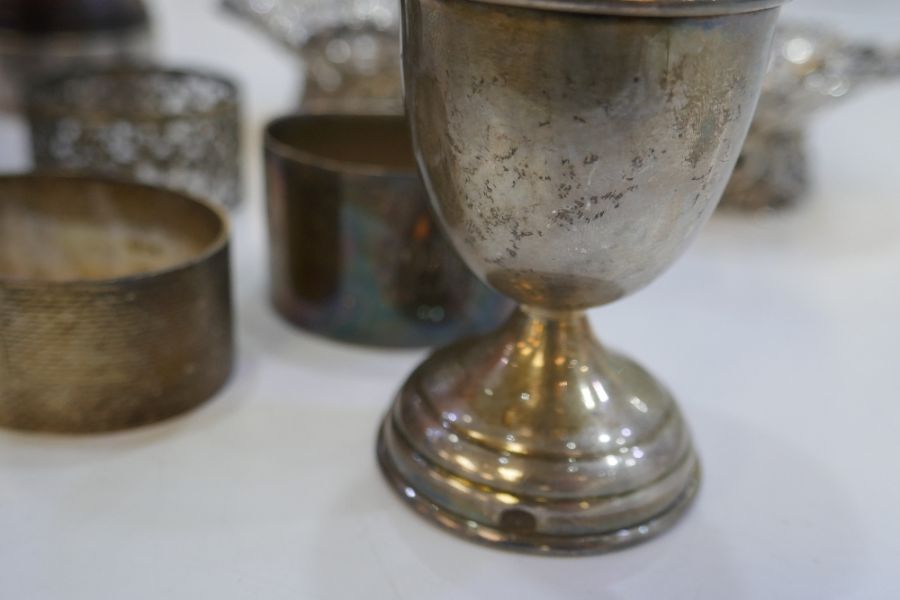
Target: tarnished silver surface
point(355, 251)
point(572, 156)
point(812, 68)
point(115, 303)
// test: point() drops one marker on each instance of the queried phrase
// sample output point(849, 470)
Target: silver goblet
point(573, 149)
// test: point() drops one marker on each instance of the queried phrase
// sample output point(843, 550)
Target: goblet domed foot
point(536, 438)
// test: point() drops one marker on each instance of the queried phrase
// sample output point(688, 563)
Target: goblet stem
point(550, 345)
point(543, 372)
point(536, 437)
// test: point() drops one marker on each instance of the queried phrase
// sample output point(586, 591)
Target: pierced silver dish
point(812, 68)
point(350, 49)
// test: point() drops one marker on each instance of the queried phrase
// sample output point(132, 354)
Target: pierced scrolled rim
point(44, 95)
point(645, 8)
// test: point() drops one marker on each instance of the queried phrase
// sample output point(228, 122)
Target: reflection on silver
point(572, 157)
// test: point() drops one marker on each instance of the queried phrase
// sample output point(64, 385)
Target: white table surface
point(779, 334)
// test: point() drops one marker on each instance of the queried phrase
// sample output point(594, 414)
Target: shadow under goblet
point(573, 149)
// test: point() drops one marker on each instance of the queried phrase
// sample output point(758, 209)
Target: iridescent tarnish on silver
point(355, 251)
point(572, 156)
